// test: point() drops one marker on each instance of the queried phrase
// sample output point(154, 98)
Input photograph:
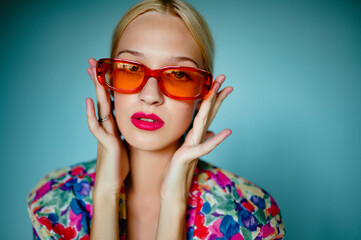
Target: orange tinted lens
point(183, 83)
point(125, 76)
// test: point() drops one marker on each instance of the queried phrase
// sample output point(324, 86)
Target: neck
point(147, 169)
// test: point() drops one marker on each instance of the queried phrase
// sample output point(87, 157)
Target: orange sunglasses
point(181, 83)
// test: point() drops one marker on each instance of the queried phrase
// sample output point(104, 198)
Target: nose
point(151, 94)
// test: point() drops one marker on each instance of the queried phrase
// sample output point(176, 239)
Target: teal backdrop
point(295, 112)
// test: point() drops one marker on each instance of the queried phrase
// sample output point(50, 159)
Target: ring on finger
point(100, 120)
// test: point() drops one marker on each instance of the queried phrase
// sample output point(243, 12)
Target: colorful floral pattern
point(221, 206)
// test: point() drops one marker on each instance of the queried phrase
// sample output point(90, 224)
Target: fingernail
point(229, 133)
point(229, 91)
point(222, 81)
point(216, 88)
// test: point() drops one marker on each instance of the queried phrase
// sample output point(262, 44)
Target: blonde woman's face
point(156, 40)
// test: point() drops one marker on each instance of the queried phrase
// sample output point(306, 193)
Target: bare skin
point(155, 168)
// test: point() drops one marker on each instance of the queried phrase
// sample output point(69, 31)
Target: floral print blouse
point(220, 206)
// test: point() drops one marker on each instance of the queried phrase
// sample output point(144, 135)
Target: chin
point(152, 142)
point(152, 145)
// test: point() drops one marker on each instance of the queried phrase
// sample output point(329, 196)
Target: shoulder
point(60, 205)
point(233, 207)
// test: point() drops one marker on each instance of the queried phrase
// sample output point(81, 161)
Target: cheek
point(183, 115)
point(122, 108)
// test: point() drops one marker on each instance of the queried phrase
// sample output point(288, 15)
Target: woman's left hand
point(198, 142)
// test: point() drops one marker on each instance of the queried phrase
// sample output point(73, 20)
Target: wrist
point(105, 224)
point(174, 213)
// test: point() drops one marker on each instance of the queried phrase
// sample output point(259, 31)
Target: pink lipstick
point(148, 122)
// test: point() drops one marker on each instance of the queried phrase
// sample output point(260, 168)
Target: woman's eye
point(130, 68)
point(133, 68)
point(180, 75)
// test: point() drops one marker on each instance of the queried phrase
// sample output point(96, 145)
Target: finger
point(208, 146)
point(188, 138)
point(195, 152)
point(89, 71)
point(93, 124)
point(215, 86)
point(103, 96)
point(209, 100)
point(201, 121)
point(208, 135)
point(104, 105)
point(220, 98)
point(217, 100)
point(92, 68)
point(107, 123)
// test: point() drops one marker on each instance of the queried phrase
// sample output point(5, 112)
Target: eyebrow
point(181, 59)
point(133, 52)
point(176, 59)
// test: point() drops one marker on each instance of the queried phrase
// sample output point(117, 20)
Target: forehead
point(159, 35)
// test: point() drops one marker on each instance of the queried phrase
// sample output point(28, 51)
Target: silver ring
point(100, 120)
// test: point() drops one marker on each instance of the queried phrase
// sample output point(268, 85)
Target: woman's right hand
point(112, 158)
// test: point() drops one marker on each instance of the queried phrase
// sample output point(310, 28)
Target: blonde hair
point(193, 20)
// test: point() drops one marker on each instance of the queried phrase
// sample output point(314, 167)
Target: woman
point(149, 183)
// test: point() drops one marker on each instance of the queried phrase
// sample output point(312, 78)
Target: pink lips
point(148, 122)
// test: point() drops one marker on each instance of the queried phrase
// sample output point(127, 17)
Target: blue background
point(295, 111)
